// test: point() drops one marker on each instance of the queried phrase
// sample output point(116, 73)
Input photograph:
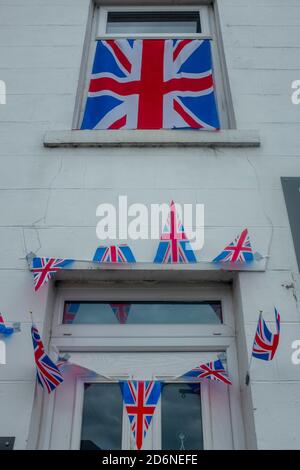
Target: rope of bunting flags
point(141, 397)
point(173, 248)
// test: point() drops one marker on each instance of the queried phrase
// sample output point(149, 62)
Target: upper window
point(153, 22)
point(154, 68)
point(291, 189)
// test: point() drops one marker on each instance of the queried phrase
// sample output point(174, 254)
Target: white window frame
point(209, 30)
point(114, 337)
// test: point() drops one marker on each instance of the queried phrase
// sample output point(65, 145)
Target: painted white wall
point(48, 197)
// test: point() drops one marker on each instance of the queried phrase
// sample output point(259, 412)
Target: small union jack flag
point(140, 399)
point(151, 84)
point(174, 246)
point(265, 342)
point(44, 269)
point(48, 374)
point(70, 312)
point(121, 312)
point(238, 251)
point(114, 254)
point(211, 371)
point(5, 330)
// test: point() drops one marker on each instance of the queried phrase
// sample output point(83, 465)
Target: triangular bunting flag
point(45, 268)
point(140, 399)
point(265, 342)
point(121, 312)
point(174, 246)
point(48, 374)
point(238, 251)
point(5, 330)
point(211, 371)
point(114, 254)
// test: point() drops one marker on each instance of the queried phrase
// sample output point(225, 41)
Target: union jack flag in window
point(238, 251)
point(45, 268)
point(211, 371)
point(48, 374)
point(121, 311)
point(151, 84)
point(140, 399)
point(265, 342)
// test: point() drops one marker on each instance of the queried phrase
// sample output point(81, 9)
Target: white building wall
point(48, 197)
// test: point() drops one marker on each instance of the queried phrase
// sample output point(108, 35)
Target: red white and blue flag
point(70, 312)
point(212, 371)
point(174, 246)
point(151, 84)
point(114, 254)
point(121, 311)
point(140, 399)
point(238, 251)
point(48, 374)
point(265, 342)
point(5, 330)
point(45, 268)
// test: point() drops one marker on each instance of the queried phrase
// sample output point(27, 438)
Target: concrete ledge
point(149, 138)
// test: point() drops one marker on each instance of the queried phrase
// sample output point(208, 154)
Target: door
point(88, 410)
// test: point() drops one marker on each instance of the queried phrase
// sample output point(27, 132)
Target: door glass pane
point(102, 417)
point(153, 22)
point(134, 313)
point(181, 417)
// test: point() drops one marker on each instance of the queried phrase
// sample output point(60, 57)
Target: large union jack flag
point(265, 342)
point(174, 246)
point(121, 311)
point(140, 399)
point(211, 371)
point(48, 374)
point(151, 84)
point(114, 254)
point(5, 330)
point(44, 269)
point(238, 251)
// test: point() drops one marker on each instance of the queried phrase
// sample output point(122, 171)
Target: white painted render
point(48, 196)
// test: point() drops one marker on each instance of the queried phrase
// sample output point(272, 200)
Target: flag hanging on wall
point(48, 374)
point(45, 268)
point(174, 246)
point(5, 330)
point(238, 251)
point(114, 254)
point(265, 342)
point(151, 84)
point(211, 371)
point(121, 312)
point(140, 399)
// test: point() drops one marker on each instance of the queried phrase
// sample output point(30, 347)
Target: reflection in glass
point(102, 417)
point(181, 417)
point(153, 22)
point(135, 313)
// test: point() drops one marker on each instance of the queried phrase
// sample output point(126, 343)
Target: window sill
point(149, 138)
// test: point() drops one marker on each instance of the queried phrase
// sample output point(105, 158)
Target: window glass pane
point(153, 22)
point(291, 189)
point(134, 313)
point(102, 417)
point(181, 419)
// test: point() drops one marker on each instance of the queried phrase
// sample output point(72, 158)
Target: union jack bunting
point(174, 246)
point(5, 330)
point(211, 371)
point(48, 374)
point(140, 399)
point(114, 254)
point(266, 343)
point(121, 312)
point(238, 251)
point(70, 312)
point(44, 269)
point(151, 84)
